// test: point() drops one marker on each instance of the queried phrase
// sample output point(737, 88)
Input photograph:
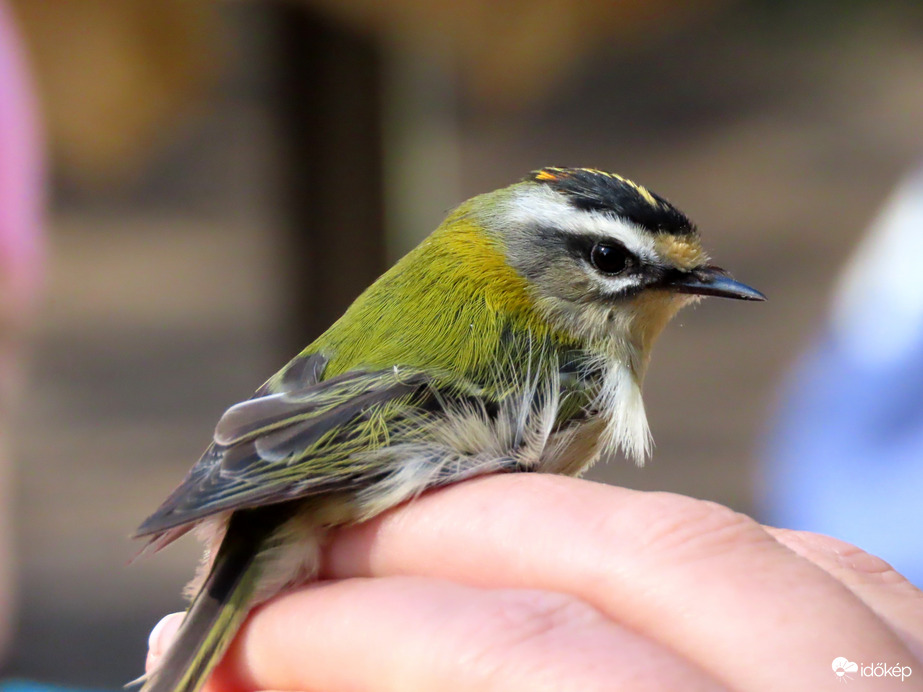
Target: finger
point(877, 583)
point(664, 565)
point(160, 638)
point(407, 634)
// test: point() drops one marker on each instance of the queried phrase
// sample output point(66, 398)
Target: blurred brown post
point(329, 108)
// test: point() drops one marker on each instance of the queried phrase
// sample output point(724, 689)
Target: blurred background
point(223, 178)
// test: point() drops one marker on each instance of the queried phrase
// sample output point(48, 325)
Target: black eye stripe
point(605, 255)
point(581, 247)
point(545, 251)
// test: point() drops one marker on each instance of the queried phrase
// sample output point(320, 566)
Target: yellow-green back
point(453, 304)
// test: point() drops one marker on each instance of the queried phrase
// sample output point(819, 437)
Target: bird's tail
point(216, 613)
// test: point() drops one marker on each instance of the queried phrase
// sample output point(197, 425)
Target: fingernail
point(163, 634)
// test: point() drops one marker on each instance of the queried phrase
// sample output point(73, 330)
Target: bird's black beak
point(710, 281)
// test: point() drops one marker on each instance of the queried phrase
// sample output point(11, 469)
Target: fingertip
point(161, 637)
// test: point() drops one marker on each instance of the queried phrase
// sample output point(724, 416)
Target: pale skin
point(534, 582)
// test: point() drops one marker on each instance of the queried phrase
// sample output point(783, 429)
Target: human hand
point(532, 582)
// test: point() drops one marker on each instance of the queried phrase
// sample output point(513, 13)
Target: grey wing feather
point(266, 449)
point(270, 400)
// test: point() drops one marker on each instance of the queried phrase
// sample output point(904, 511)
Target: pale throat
point(619, 399)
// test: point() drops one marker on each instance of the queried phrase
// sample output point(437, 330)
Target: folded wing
point(296, 438)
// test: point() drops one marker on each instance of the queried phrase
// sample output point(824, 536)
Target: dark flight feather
point(278, 447)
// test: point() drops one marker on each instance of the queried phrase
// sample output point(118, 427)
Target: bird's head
point(605, 259)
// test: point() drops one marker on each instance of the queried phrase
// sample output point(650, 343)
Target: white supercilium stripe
point(544, 207)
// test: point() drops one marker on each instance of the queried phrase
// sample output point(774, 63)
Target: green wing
point(297, 437)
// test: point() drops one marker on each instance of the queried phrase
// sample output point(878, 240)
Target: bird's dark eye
point(611, 258)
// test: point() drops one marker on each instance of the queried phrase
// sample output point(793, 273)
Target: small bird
point(514, 338)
